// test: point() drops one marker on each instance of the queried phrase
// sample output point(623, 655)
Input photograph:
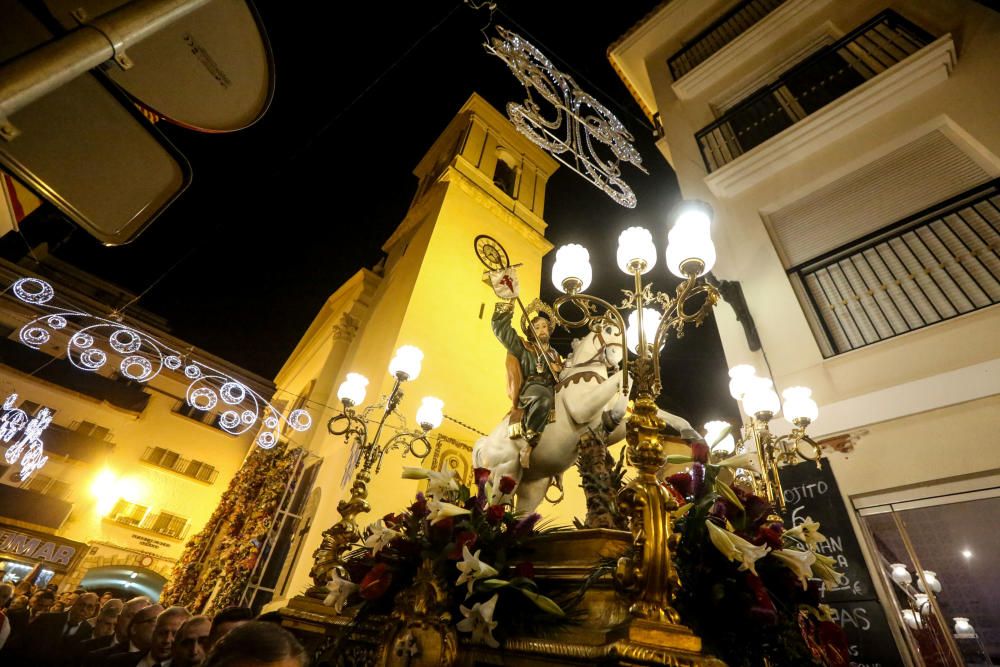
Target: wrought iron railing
point(165, 458)
point(162, 523)
point(725, 29)
point(933, 266)
point(826, 75)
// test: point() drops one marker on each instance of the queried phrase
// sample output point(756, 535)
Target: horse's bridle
point(603, 350)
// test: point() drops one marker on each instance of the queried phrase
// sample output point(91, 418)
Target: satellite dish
point(86, 149)
point(210, 71)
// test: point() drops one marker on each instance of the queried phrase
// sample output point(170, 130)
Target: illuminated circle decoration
point(203, 398)
point(93, 359)
point(233, 393)
point(300, 420)
point(125, 341)
point(56, 321)
point(248, 417)
point(192, 371)
point(229, 420)
point(130, 363)
point(173, 362)
point(266, 440)
point(34, 336)
point(33, 290)
point(82, 340)
point(271, 422)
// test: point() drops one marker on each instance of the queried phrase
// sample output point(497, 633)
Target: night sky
point(280, 214)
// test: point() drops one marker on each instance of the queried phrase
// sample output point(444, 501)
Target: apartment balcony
point(32, 507)
point(121, 394)
point(75, 444)
point(162, 523)
point(169, 460)
point(881, 65)
point(719, 34)
point(928, 268)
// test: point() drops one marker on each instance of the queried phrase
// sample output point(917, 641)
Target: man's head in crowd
point(191, 643)
point(84, 607)
point(165, 631)
point(125, 617)
point(258, 644)
point(227, 620)
point(107, 617)
point(41, 601)
point(6, 593)
point(140, 630)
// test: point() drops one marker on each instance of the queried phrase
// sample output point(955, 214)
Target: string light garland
point(573, 125)
point(141, 357)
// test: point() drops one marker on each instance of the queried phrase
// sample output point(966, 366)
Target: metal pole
point(41, 71)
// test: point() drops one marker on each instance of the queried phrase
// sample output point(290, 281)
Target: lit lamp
point(913, 620)
point(344, 535)
point(722, 446)
point(900, 574)
point(964, 629)
point(932, 582)
point(653, 315)
point(761, 403)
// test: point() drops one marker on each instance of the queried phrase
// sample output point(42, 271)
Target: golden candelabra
point(368, 454)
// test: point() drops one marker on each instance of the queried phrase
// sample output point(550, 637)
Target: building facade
point(133, 469)
point(850, 151)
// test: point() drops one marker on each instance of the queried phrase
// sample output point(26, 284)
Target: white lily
point(380, 536)
point(472, 569)
point(807, 532)
point(824, 569)
point(439, 484)
point(746, 461)
point(339, 590)
point(479, 621)
point(735, 548)
point(440, 510)
point(799, 562)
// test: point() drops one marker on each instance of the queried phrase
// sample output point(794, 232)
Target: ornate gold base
point(603, 631)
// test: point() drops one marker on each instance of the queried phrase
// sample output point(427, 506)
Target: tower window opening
point(505, 177)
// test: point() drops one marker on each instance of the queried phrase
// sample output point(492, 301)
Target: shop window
point(131, 514)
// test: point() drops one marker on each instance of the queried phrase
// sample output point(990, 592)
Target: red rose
point(419, 508)
point(442, 529)
point(481, 475)
point(494, 514)
point(525, 569)
point(376, 582)
point(466, 538)
point(507, 484)
point(769, 534)
point(699, 451)
point(681, 482)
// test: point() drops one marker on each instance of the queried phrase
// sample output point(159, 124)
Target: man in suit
point(162, 642)
point(118, 640)
point(54, 638)
point(138, 635)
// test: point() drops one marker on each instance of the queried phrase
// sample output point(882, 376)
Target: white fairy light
point(143, 357)
point(129, 364)
point(28, 447)
point(33, 290)
point(125, 341)
point(233, 393)
point(266, 440)
point(203, 398)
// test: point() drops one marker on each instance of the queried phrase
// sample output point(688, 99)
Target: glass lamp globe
point(430, 413)
point(761, 400)
point(713, 430)
point(636, 251)
point(691, 239)
point(964, 629)
point(571, 272)
point(352, 390)
point(932, 582)
point(650, 322)
point(406, 364)
point(912, 619)
point(923, 604)
point(740, 379)
point(899, 573)
point(799, 405)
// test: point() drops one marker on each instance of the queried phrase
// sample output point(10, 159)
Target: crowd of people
point(41, 627)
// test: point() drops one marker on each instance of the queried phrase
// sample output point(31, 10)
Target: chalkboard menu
point(812, 492)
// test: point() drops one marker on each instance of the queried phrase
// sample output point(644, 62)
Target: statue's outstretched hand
point(505, 283)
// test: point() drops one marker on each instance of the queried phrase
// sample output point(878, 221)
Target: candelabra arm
point(587, 305)
point(675, 316)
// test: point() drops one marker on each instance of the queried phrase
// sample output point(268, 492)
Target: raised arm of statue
point(503, 314)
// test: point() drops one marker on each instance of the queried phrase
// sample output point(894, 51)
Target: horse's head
point(603, 344)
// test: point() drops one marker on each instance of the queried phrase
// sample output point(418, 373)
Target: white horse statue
point(588, 393)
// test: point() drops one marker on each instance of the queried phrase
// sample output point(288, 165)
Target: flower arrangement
point(750, 588)
point(474, 544)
